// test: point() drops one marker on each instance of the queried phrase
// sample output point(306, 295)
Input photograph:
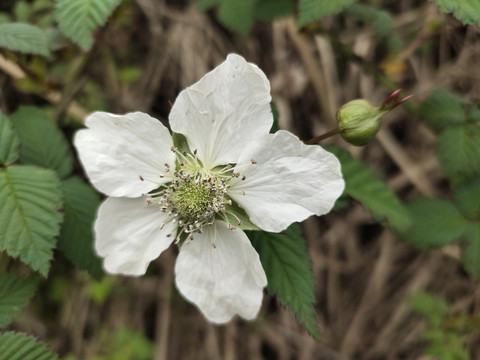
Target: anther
point(254, 161)
point(244, 177)
point(141, 177)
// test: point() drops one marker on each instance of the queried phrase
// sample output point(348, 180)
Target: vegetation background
point(381, 292)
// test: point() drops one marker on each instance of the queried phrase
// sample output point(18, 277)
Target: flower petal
point(117, 151)
point(289, 182)
point(221, 281)
point(129, 234)
point(227, 106)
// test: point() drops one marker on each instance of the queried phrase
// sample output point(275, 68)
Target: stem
point(323, 136)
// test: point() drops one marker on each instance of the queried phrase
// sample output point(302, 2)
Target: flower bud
point(359, 121)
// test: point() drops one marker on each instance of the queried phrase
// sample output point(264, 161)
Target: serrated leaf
point(467, 11)
point(29, 216)
point(9, 143)
point(15, 293)
point(471, 253)
point(237, 15)
point(268, 10)
point(78, 18)
point(20, 346)
point(437, 223)
point(468, 198)
point(42, 143)
point(364, 186)
point(458, 149)
point(287, 266)
point(24, 38)
point(76, 235)
point(310, 10)
point(442, 108)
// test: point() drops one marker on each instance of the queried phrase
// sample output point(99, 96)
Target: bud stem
point(323, 136)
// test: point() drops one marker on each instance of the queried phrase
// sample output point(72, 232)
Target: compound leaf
point(467, 11)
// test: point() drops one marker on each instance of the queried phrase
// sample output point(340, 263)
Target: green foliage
point(29, 216)
point(382, 20)
point(268, 10)
point(467, 195)
point(237, 15)
point(125, 344)
point(42, 143)
point(9, 143)
point(471, 253)
point(437, 223)
point(445, 343)
point(76, 235)
point(467, 11)
point(207, 4)
point(364, 186)
point(287, 266)
point(78, 18)
point(458, 150)
point(442, 108)
point(15, 293)
point(310, 10)
point(23, 38)
point(100, 290)
point(19, 346)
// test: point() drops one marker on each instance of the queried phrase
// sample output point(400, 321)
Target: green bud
point(358, 121)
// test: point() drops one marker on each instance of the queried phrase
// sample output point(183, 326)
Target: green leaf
point(310, 10)
point(29, 215)
point(471, 253)
point(364, 186)
point(20, 346)
point(237, 15)
point(382, 20)
point(24, 38)
point(437, 223)
point(467, 11)
point(458, 149)
point(15, 293)
point(287, 265)
point(442, 108)
point(468, 198)
point(78, 18)
point(76, 235)
point(42, 143)
point(9, 143)
point(268, 10)
point(207, 4)
point(432, 308)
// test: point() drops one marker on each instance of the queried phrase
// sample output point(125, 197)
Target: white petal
point(289, 182)
point(129, 234)
point(227, 107)
point(221, 281)
point(117, 151)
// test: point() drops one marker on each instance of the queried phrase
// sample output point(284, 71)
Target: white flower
point(232, 169)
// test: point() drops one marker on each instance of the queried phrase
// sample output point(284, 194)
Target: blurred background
point(148, 51)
